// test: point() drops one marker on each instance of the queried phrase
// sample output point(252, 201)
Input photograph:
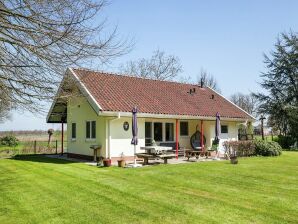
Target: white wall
point(121, 139)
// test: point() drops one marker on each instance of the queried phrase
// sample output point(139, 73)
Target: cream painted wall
point(121, 139)
point(79, 111)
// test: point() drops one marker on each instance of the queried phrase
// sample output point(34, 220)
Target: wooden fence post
point(34, 146)
point(56, 146)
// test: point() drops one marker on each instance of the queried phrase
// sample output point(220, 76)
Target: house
point(97, 109)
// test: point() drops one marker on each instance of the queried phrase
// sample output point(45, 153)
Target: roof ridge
point(133, 76)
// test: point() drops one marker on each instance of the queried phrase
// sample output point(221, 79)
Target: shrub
point(240, 148)
point(264, 148)
point(285, 141)
point(9, 140)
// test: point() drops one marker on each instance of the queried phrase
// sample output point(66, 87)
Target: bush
point(9, 140)
point(240, 148)
point(264, 148)
point(285, 141)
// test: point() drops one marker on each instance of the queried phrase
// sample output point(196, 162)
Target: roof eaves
point(87, 93)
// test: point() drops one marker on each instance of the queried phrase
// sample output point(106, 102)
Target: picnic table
point(152, 152)
point(157, 149)
point(197, 153)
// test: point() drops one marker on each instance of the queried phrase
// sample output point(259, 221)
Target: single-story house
point(97, 109)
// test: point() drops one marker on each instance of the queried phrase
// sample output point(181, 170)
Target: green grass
point(35, 189)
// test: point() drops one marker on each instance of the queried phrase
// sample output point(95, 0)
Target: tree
point(39, 39)
point(160, 67)
point(280, 81)
point(5, 104)
point(208, 80)
point(246, 102)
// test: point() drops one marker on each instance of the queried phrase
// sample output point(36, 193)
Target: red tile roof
point(121, 93)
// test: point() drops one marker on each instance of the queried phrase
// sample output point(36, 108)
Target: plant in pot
point(107, 162)
point(214, 148)
point(121, 161)
point(233, 157)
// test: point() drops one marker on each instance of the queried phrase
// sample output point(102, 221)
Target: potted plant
point(107, 162)
point(121, 161)
point(234, 158)
point(214, 148)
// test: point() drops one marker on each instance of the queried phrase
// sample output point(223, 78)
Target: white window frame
point(165, 127)
point(163, 130)
point(90, 129)
point(73, 139)
point(227, 129)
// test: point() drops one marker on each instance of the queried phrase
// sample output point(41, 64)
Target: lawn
point(36, 189)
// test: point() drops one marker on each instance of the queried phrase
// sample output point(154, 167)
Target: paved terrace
point(180, 160)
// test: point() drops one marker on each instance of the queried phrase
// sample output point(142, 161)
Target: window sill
point(73, 139)
point(184, 136)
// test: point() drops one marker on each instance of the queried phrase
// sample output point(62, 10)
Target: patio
point(156, 161)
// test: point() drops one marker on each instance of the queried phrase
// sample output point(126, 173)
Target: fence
point(33, 147)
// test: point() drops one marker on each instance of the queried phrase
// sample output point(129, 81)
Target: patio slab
point(180, 160)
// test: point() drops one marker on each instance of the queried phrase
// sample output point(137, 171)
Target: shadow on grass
point(41, 159)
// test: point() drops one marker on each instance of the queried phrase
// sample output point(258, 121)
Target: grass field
point(35, 189)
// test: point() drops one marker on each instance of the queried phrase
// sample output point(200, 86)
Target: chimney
point(202, 83)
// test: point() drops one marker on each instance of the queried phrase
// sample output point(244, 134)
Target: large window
point(224, 129)
point(169, 132)
point(73, 131)
point(158, 131)
point(90, 129)
point(183, 128)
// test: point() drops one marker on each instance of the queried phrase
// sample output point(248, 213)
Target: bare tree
point(160, 67)
point(39, 39)
point(245, 101)
point(208, 80)
point(5, 104)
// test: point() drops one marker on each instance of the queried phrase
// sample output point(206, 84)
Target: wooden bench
point(165, 157)
point(194, 153)
point(146, 157)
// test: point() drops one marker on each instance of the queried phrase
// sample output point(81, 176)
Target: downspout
point(108, 153)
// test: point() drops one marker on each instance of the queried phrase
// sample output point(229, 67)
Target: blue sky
point(227, 38)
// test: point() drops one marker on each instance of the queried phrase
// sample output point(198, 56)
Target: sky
point(226, 38)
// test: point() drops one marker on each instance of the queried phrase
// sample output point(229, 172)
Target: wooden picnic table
point(147, 156)
point(197, 153)
point(156, 149)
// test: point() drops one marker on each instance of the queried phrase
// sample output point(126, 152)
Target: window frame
point(221, 129)
point(75, 125)
point(187, 129)
point(173, 134)
point(162, 130)
point(92, 136)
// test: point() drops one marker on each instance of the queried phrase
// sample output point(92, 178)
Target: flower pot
point(234, 159)
point(107, 162)
point(121, 163)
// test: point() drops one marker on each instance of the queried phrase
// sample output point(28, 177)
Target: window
point(158, 132)
point(183, 128)
point(224, 129)
point(90, 129)
point(148, 133)
point(73, 131)
point(169, 132)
